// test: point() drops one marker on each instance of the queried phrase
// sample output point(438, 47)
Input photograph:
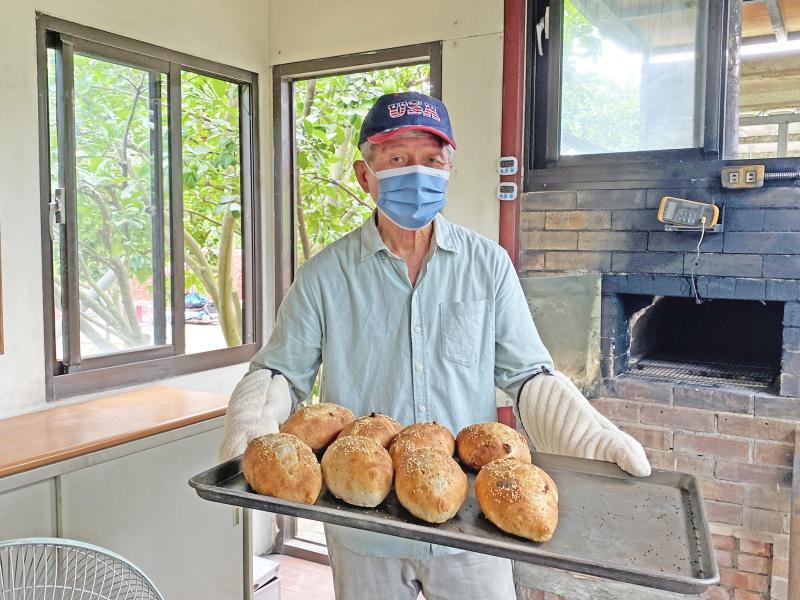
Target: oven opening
point(729, 342)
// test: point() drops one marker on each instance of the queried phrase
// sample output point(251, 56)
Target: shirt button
point(417, 329)
point(421, 409)
point(419, 367)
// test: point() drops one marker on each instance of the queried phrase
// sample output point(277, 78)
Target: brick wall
point(743, 463)
point(616, 231)
point(739, 443)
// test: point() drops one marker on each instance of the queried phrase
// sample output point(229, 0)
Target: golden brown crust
point(357, 470)
point(423, 435)
point(376, 427)
point(484, 442)
point(282, 466)
point(430, 484)
point(318, 424)
point(519, 498)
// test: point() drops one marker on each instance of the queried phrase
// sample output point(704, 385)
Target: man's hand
point(260, 402)
point(559, 420)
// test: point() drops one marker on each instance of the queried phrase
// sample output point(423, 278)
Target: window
point(764, 100)
point(148, 210)
point(629, 74)
point(617, 76)
point(657, 92)
point(322, 105)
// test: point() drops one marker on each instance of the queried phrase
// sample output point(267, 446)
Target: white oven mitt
point(259, 404)
point(559, 420)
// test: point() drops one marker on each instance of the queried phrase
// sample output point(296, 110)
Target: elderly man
point(419, 319)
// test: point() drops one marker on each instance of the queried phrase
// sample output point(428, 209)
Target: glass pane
point(329, 202)
point(630, 73)
point(758, 141)
point(763, 105)
point(55, 236)
point(212, 214)
point(793, 147)
point(119, 210)
point(310, 531)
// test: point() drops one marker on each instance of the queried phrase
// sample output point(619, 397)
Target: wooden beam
point(777, 20)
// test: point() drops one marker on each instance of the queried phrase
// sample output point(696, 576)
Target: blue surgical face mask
point(411, 196)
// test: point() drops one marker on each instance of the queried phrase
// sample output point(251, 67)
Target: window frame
point(158, 361)
point(545, 168)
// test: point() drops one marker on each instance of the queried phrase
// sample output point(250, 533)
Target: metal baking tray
point(646, 531)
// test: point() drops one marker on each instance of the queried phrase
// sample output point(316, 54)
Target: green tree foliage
point(212, 194)
point(330, 110)
point(116, 158)
point(600, 109)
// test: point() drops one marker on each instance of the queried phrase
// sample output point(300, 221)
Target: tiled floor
point(305, 580)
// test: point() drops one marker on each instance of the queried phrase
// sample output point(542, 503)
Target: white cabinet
point(141, 506)
point(28, 511)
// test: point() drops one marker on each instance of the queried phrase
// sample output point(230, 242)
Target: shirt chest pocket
point(464, 325)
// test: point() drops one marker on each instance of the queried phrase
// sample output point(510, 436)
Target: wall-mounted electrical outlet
point(743, 177)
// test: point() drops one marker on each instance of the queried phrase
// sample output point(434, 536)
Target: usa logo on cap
point(407, 111)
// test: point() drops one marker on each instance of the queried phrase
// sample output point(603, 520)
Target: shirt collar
point(372, 243)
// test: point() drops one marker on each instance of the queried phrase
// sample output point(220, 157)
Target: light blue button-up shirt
point(430, 352)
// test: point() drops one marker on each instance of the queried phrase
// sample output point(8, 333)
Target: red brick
point(716, 592)
point(743, 595)
point(700, 466)
point(769, 497)
point(724, 558)
point(774, 453)
point(649, 437)
point(758, 474)
point(722, 542)
point(754, 547)
point(724, 491)
point(758, 519)
point(780, 567)
point(552, 596)
point(743, 581)
point(723, 512)
point(752, 563)
point(678, 418)
point(531, 261)
point(707, 445)
point(760, 428)
point(530, 221)
point(617, 410)
point(660, 459)
point(550, 240)
point(533, 595)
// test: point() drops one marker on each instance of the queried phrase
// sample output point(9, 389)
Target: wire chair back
point(59, 569)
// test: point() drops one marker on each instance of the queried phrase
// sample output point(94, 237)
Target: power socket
point(744, 177)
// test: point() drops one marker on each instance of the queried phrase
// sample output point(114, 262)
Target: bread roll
point(358, 471)
point(318, 424)
point(519, 498)
point(430, 484)
point(374, 426)
point(423, 435)
point(281, 465)
point(484, 442)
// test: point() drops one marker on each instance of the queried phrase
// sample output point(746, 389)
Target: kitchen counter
point(63, 432)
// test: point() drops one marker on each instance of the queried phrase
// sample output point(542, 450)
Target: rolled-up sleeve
point(519, 351)
point(295, 346)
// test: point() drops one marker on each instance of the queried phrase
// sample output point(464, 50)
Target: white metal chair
point(59, 569)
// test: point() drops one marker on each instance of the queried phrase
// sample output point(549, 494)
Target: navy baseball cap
point(407, 111)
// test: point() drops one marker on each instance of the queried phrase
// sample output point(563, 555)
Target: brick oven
point(700, 355)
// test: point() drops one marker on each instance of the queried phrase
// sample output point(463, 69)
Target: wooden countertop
point(55, 434)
